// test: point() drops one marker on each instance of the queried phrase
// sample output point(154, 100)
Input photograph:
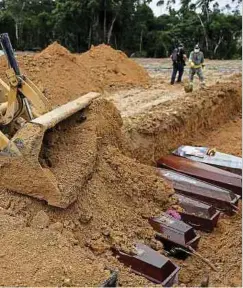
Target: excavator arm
point(21, 88)
point(21, 152)
point(23, 97)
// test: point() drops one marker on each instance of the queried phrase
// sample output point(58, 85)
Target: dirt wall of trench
point(171, 124)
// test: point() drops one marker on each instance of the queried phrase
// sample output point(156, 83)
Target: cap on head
point(181, 45)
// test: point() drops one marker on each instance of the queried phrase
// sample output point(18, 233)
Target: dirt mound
point(60, 78)
point(63, 76)
point(58, 74)
point(55, 50)
point(88, 159)
point(112, 68)
point(115, 194)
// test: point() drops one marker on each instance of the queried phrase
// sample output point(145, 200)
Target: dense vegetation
point(129, 25)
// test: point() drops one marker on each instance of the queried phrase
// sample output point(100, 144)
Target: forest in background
point(127, 25)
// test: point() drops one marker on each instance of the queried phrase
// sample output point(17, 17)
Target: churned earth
point(108, 161)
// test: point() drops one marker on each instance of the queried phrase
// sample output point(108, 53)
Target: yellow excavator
point(25, 116)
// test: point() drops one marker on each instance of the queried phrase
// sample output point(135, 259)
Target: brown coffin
point(173, 232)
point(224, 200)
point(151, 264)
point(203, 172)
point(197, 214)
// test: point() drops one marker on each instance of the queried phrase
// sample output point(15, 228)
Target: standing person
point(178, 58)
point(196, 61)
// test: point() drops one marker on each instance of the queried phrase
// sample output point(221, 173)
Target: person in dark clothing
point(179, 61)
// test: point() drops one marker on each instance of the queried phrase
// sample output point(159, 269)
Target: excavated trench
point(223, 246)
point(168, 125)
point(116, 194)
point(101, 161)
point(210, 118)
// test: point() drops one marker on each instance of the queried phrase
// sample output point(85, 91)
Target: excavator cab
point(22, 104)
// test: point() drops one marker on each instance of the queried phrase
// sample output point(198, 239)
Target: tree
point(129, 25)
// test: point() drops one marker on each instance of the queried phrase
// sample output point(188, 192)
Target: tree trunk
point(104, 21)
point(111, 29)
point(115, 42)
point(17, 31)
point(217, 45)
point(204, 32)
point(78, 42)
point(141, 42)
point(90, 36)
point(95, 30)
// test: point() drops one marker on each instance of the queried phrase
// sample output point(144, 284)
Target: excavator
point(25, 116)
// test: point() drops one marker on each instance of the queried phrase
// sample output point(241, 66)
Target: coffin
point(220, 160)
point(222, 199)
point(199, 215)
point(201, 171)
point(150, 264)
point(173, 232)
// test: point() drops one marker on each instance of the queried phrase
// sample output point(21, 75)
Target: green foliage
point(129, 25)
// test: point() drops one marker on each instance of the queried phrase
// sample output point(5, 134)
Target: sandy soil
point(115, 192)
point(138, 100)
point(223, 246)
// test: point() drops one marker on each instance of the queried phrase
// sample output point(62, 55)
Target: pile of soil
point(115, 196)
point(63, 76)
point(55, 50)
point(56, 73)
point(112, 68)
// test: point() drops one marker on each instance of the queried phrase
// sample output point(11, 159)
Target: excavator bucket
point(20, 169)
